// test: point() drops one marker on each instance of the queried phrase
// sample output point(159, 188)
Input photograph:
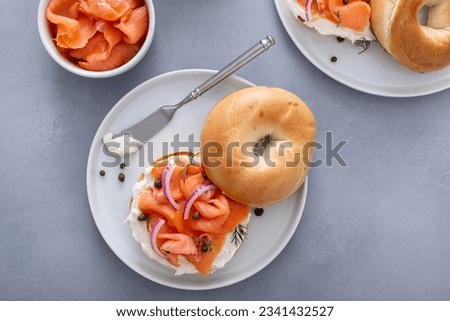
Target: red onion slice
point(165, 181)
point(196, 194)
point(308, 10)
point(154, 234)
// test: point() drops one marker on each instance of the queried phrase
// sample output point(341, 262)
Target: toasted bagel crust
point(397, 28)
point(233, 128)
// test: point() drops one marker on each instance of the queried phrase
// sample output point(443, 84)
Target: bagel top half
point(398, 30)
point(238, 124)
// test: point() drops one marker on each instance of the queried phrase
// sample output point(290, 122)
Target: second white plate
point(109, 198)
point(374, 71)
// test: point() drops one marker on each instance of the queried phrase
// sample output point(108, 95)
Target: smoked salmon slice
point(213, 208)
point(134, 25)
point(178, 243)
point(203, 262)
point(149, 204)
point(72, 31)
point(354, 15)
point(98, 35)
point(108, 10)
point(64, 8)
point(111, 35)
point(189, 184)
point(95, 49)
point(119, 55)
point(136, 3)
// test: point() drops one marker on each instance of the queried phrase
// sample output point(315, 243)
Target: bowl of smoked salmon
point(96, 38)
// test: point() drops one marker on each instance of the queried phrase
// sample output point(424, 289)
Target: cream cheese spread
point(117, 145)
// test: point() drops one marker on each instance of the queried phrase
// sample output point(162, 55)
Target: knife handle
point(236, 64)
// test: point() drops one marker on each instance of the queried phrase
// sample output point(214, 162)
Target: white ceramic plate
point(109, 198)
point(374, 71)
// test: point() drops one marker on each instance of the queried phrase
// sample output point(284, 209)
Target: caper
point(204, 248)
point(142, 217)
point(340, 39)
point(102, 173)
point(333, 59)
point(121, 177)
point(122, 165)
point(196, 215)
point(259, 211)
point(157, 184)
point(345, 1)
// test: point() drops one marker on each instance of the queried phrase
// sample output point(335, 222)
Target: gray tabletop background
point(378, 229)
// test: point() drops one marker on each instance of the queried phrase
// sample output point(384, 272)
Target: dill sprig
point(239, 234)
point(365, 44)
point(184, 172)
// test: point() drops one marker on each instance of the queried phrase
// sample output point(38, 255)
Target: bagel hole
point(261, 145)
point(423, 15)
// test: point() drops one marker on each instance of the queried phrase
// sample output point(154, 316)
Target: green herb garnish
point(365, 44)
point(239, 234)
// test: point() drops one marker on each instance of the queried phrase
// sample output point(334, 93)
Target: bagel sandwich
point(345, 19)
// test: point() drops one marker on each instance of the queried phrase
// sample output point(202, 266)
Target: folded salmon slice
point(221, 224)
point(97, 46)
point(112, 35)
point(177, 243)
point(65, 8)
point(73, 30)
point(134, 25)
point(354, 15)
point(78, 37)
point(149, 204)
point(165, 229)
point(207, 225)
point(213, 208)
point(189, 184)
point(120, 54)
point(136, 3)
point(203, 262)
point(108, 10)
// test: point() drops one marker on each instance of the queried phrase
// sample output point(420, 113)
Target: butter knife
point(131, 139)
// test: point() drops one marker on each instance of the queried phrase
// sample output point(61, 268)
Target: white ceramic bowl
point(50, 46)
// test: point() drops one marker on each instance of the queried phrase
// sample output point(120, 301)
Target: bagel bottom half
point(141, 229)
point(238, 124)
point(398, 29)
